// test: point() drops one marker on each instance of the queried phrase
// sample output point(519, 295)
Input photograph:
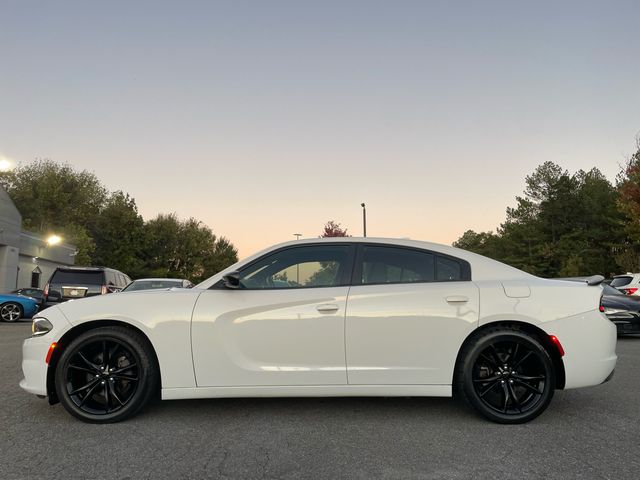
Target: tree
point(628, 181)
point(186, 249)
point(50, 195)
point(119, 235)
point(333, 229)
point(564, 225)
point(107, 228)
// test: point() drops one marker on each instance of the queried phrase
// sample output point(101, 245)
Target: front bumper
point(34, 353)
point(34, 367)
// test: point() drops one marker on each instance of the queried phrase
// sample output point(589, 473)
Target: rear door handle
point(457, 299)
point(327, 308)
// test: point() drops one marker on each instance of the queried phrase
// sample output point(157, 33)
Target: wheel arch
point(74, 333)
point(536, 332)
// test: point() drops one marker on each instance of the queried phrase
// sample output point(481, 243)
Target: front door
point(283, 326)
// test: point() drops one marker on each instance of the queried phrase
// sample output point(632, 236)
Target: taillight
point(45, 292)
point(629, 291)
point(103, 290)
point(602, 308)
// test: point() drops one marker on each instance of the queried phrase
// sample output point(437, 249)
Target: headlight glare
point(40, 326)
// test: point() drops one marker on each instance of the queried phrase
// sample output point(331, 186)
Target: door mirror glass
point(232, 280)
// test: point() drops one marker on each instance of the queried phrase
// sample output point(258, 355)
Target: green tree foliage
point(628, 255)
point(107, 228)
point(564, 225)
point(51, 196)
point(119, 235)
point(189, 249)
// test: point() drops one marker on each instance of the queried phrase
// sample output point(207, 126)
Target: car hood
point(149, 305)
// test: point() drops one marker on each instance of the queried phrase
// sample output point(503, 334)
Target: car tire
point(506, 375)
point(106, 374)
point(11, 312)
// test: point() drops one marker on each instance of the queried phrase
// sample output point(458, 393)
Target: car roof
point(483, 268)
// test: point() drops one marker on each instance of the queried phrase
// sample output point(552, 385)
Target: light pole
point(364, 219)
point(297, 235)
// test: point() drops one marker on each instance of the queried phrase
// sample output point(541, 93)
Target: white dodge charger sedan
point(329, 317)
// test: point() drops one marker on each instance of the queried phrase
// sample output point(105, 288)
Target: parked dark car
point(33, 293)
point(621, 309)
point(68, 283)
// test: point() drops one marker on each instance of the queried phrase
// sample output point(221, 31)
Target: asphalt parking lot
point(590, 433)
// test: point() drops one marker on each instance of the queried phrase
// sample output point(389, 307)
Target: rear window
point(609, 290)
point(68, 277)
point(620, 281)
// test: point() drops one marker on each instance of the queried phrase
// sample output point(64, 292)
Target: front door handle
point(457, 299)
point(327, 308)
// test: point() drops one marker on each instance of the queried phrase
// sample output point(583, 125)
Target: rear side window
point(386, 264)
point(448, 269)
point(620, 281)
point(70, 277)
point(396, 265)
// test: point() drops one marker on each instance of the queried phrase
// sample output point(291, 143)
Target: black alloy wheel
point(507, 376)
point(106, 374)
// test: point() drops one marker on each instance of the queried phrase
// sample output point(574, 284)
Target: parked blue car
point(15, 307)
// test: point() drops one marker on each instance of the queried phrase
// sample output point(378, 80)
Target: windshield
point(152, 285)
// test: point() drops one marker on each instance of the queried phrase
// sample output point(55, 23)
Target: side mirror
point(232, 280)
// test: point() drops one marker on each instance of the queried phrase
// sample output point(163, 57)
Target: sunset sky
point(268, 118)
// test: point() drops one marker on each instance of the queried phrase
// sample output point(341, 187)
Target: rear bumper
point(589, 341)
point(626, 322)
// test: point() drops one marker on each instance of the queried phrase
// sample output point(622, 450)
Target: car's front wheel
point(11, 312)
point(506, 375)
point(106, 374)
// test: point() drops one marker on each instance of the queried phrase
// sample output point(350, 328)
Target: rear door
point(408, 312)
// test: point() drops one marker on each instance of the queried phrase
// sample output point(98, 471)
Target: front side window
point(298, 267)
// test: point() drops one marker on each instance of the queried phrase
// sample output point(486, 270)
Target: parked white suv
point(628, 283)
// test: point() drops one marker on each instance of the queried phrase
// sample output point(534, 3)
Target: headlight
point(40, 326)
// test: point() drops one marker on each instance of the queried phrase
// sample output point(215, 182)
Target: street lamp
point(53, 240)
point(364, 219)
point(297, 235)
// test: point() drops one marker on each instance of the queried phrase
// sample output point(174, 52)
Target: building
point(26, 259)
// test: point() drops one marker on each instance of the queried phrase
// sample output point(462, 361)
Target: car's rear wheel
point(11, 312)
point(506, 375)
point(106, 374)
